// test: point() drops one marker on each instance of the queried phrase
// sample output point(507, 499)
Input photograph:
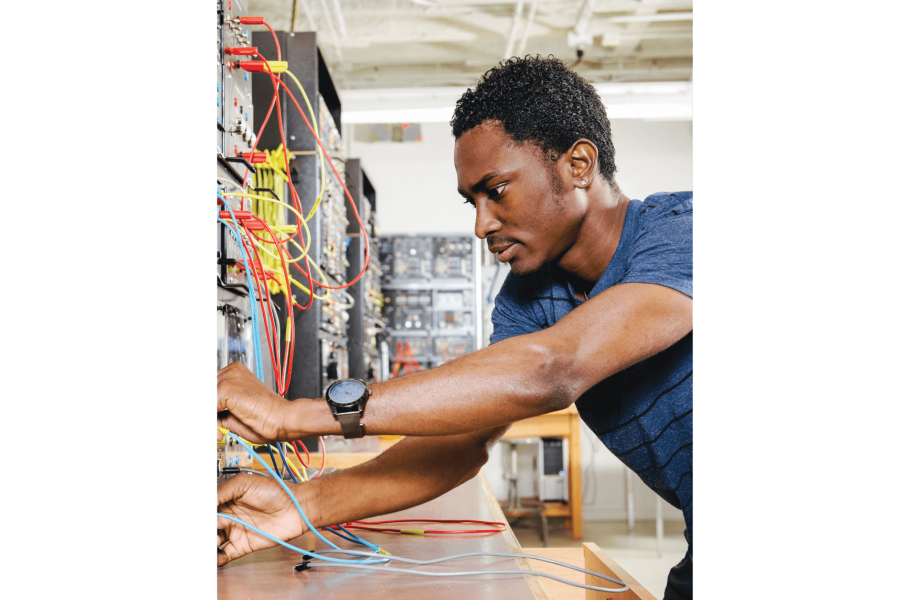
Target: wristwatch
point(347, 399)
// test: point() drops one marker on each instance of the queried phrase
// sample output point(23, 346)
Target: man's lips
point(504, 251)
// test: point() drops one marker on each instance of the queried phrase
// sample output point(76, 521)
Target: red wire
point(343, 186)
point(275, 37)
point(254, 278)
point(302, 445)
point(287, 366)
point(277, 366)
point(361, 525)
point(274, 355)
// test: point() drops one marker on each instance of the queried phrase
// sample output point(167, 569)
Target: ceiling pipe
point(331, 29)
point(531, 13)
point(307, 11)
point(517, 20)
point(580, 38)
point(671, 16)
point(342, 26)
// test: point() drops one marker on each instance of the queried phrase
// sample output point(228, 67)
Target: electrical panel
point(234, 310)
point(234, 99)
point(324, 334)
point(285, 228)
point(368, 350)
point(432, 286)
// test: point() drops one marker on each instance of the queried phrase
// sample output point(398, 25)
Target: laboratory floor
point(636, 553)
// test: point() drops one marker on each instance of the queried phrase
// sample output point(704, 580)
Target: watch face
point(347, 392)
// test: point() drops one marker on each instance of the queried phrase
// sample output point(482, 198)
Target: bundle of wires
point(368, 560)
point(263, 267)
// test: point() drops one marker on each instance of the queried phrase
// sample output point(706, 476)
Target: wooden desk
point(269, 574)
point(565, 424)
point(598, 561)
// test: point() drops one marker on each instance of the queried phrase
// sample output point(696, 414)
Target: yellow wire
point(277, 273)
point(315, 125)
point(290, 208)
point(290, 465)
point(300, 218)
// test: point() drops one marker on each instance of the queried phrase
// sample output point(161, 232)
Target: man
point(597, 311)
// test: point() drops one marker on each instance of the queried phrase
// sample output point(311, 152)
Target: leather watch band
point(351, 426)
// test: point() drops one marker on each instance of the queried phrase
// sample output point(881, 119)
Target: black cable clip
point(302, 566)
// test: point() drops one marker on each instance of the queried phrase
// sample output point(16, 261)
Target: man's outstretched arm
point(511, 380)
point(414, 471)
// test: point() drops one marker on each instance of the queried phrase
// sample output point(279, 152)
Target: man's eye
point(495, 192)
point(469, 201)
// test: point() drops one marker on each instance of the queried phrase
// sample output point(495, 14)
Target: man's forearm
point(519, 377)
point(414, 471)
point(495, 386)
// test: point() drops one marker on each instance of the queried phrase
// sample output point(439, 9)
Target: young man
point(597, 311)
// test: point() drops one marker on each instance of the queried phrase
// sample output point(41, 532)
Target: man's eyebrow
point(481, 186)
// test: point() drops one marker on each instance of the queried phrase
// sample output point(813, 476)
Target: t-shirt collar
point(616, 267)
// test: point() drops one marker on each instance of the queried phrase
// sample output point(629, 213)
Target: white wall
point(416, 181)
point(416, 185)
point(653, 156)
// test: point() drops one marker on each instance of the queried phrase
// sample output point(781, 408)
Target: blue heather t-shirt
point(642, 413)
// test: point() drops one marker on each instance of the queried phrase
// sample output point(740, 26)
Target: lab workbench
point(269, 574)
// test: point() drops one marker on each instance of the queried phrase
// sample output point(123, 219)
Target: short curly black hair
point(542, 101)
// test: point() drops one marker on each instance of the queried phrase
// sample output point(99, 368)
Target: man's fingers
point(221, 392)
point(231, 490)
point(221, 537)
point(231, 423)
point(228, 554)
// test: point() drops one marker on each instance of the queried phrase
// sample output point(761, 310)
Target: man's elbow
point(479, 452)
point(555, 387)
point(481, 458)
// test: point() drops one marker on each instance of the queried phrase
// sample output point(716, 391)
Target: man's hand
point(261, 502)
point(253, 411)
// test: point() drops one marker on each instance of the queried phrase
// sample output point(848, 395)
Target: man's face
point(523, 206)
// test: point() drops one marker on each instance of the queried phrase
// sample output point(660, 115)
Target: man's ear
point(581, 159)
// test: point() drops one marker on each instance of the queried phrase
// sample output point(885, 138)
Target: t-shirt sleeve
point(663, 251)
point(512, 314)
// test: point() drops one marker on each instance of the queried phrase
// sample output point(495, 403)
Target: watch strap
point(350, 424)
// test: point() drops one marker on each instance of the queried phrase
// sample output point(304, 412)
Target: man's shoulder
point(662, 204)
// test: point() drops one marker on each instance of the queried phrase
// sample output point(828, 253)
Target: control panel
point(234, 138)
point(431, 284)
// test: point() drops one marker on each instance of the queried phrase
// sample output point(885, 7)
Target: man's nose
point(485, 221)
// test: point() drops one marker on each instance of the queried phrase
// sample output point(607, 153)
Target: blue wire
point(356, 538)
point(254, 316)
point(293, 498)
point(254, 319)
point(341, 535)
point(272, 456)
point(372, 561)
point(254, 309)
point(283, 461)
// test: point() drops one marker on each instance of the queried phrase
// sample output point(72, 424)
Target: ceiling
point(388, 44)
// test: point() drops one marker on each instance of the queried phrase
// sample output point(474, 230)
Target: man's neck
point(598, 237)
